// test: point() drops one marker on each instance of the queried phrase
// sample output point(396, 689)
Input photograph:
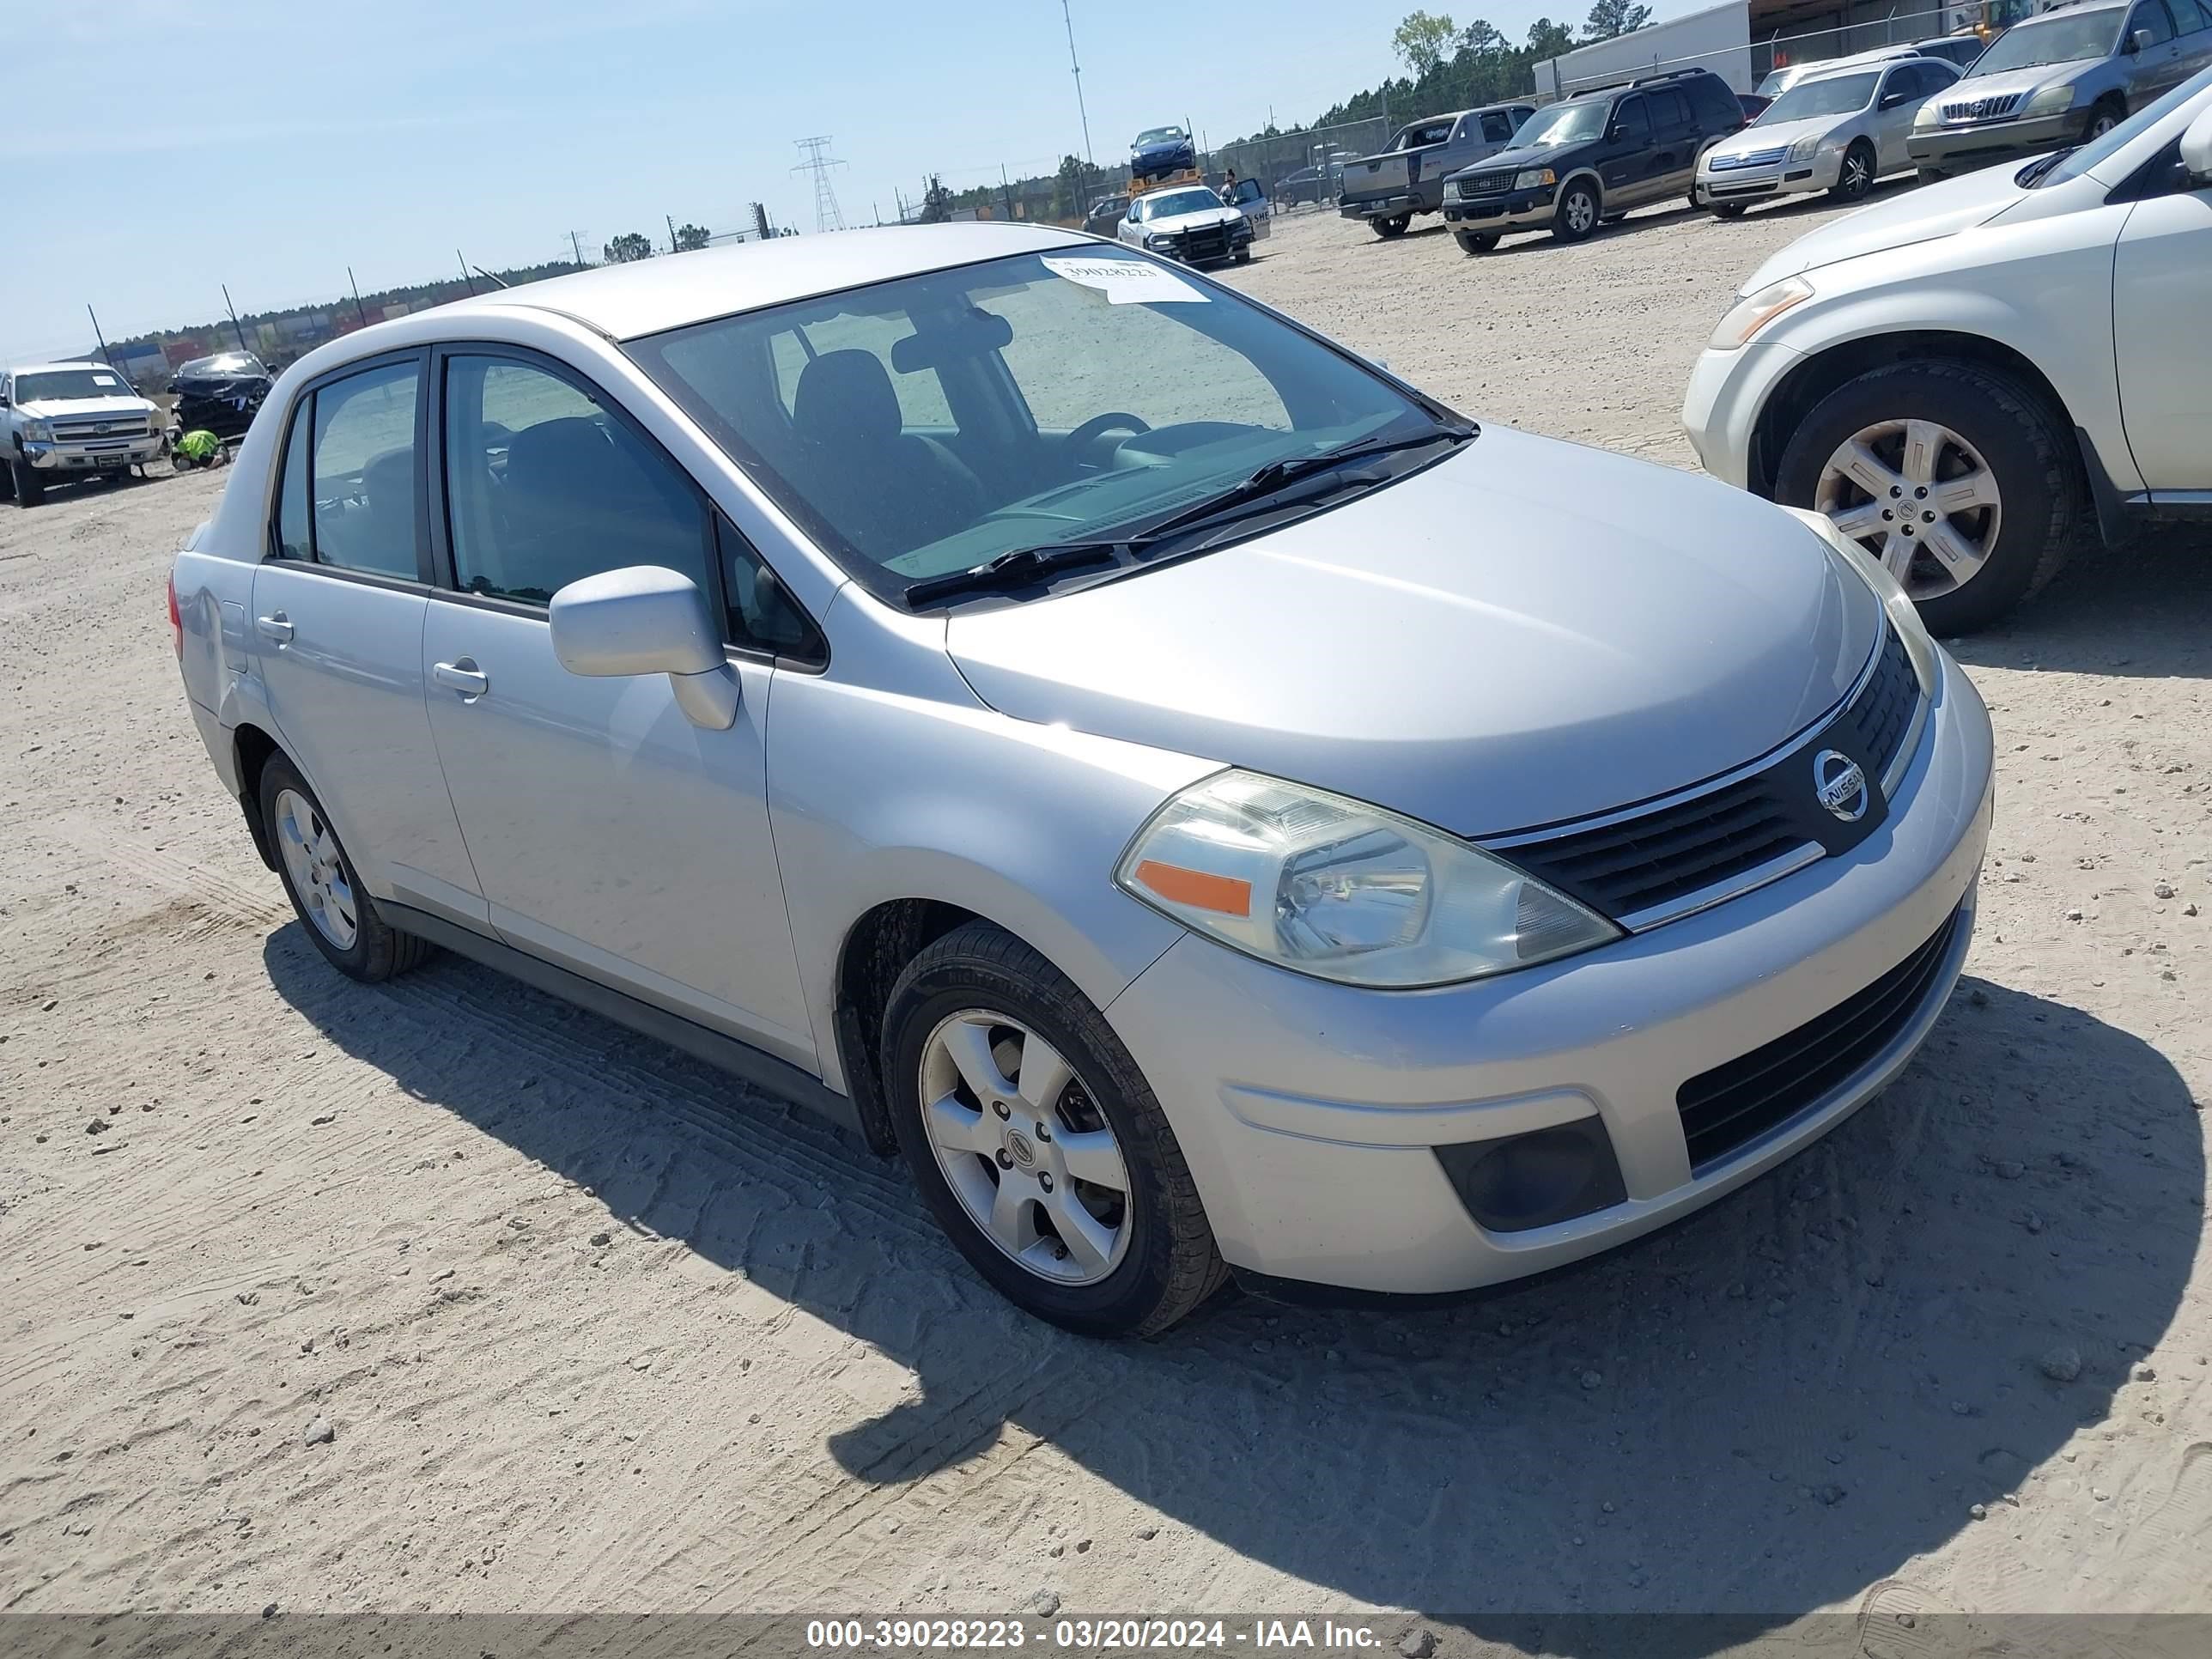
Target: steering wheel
point(1098, 426)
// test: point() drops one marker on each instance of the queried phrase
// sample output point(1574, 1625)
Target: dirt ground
point(440, 1295)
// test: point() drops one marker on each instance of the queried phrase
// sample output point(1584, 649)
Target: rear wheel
point(1393, 225)
point(1961, 483)
point(1727, 209)
point(319, 876)
point(30, 488)
point(1476, 242)
point(1037, 1144)
point(1855, 178)
point(1577, 214)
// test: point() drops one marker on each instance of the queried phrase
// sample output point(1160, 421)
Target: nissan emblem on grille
point(1840, 785)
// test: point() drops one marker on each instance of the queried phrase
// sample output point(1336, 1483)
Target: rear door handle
point(278, 627)
point(463, 676)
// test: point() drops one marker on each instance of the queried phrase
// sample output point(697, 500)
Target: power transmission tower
point(819, 163)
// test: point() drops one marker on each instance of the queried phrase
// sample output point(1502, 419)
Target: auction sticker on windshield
point(1126, 282)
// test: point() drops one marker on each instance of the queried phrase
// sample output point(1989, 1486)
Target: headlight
point(1159, 240)
point(2052, 100)
point(1755, 311)
point(1804, 149)
point(1344, 891)
point(1904, 615)
point(38, 432)
point(1535, 179)
point(1928, 115)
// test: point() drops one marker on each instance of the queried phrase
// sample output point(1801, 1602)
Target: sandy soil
point(442, 1295)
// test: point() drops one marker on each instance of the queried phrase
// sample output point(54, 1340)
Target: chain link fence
point(1295, 167)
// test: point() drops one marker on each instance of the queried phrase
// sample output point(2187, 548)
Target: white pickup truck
point(65, 420)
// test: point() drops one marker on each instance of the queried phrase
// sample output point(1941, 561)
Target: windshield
point(1833, 95)
point(1562, 124)
point(2060, 39)
point(2081, 160)
point(1173, 201)
point(923, 426)
point(63, 385)
point(1772, 87)
point(222, 363)
point(1159, 135)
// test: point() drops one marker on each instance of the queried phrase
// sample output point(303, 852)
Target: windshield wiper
point(2031, 175)
point(1292, 468)
point(1018, 568)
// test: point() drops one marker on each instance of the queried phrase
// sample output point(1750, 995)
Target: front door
point(1626, 170)
point(337, 635)
point(613, 837)
point(2160, 299)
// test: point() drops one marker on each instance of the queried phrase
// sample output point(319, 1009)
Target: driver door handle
point(463, 676)
point(278, 627)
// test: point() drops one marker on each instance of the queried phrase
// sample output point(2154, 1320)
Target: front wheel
point(1930, 175)
point(1576, 217)
point(1727, 209)
point(30, 488)
point(1958, 480)
point(318, 877)
point(1855, 178)
point(1476, 241)
point(1393, 225)
point(1038, 1144)
point(2103, 118)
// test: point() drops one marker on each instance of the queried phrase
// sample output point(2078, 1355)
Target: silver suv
point(1205, 804)
point(2073, 73)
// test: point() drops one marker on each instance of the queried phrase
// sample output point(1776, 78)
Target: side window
point(1497, 127)
point(762, 617)
point(544, 487)
point(920, 395)
point(1717, 107)
point(2151, 16)
point(1670, 110)
point(2189, 16)
point(292, 540)
point(1632, 123)
point(363, 471)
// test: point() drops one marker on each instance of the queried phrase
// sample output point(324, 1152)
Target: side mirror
point(645, 619)
point(2140, 42)
point(2197, 149)
point(1891, 100)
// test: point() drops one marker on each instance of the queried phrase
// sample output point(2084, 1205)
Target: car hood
point(1528, 632)
point(85, 409)
point(1779, 135)
point(1196, 219)
point(1920, 216)
point(1521, 155)
point(1974, 87)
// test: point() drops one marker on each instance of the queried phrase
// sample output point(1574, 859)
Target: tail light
point(176, 620)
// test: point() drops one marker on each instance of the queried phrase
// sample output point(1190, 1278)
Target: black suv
point(1587, 159)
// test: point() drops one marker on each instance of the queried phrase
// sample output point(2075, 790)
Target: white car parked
point(1963, 378)
point(1190, 224)
point(1838, 131)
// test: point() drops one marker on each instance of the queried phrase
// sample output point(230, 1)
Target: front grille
point(1731, 1105)
point(1757, 158)
point(1664, 859)
point(1762, 187)
point(1211, 243)
point(121, 428)
point(1484, 184)
point(1981, 109)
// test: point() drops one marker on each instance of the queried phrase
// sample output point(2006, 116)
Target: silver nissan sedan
point(1209, 807)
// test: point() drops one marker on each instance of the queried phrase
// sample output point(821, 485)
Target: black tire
point(1393, 225)
point(1855, 179)
point(30, 488)
point(1170, 1264)
point(2024, 443)
point(1567, 213)
point(1243, 256)
point(1476, 242)
point(1931, 175)
point(379, 949)
point(1729, 210)
point(2104, 115)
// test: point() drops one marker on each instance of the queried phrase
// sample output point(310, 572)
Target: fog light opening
point(1537, 1179)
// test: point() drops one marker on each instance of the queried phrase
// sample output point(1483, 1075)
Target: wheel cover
point(2103, 124)
point(1918, 497)
point(1858, 173)
point(1024, 1147)
point(317, 871)
point(1582, 212)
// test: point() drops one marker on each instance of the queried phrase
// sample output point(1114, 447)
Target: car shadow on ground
point(1766, 1409)
point(1642, 218)
point(2143, 611)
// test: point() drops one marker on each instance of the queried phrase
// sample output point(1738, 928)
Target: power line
point(818, 161)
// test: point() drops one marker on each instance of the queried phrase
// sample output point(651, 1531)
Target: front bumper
point(1203, 250)
point(70, 458)
point(1380, 207)
point(1966, 148)
point(1310, 1112)
point(1785, 177)
point(1519, 209)
point(1720, 408)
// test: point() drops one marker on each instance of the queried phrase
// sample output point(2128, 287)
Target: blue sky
point(159, 149)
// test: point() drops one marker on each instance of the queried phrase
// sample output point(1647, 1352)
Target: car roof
point(1851, 66)
point(647, 296)
point(2072, 9)
point(72, 362)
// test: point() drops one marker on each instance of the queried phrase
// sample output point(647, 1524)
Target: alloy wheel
point(1582, 212)
point(318, 875)
point(1919, 497)
point(1024, 1147)
point(1858, 173)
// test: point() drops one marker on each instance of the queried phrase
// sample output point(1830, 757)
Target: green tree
point(1548, 40)
point(1483, 40)
point(1422, 40)
point(1071, 188)
point(936, 201)
point(627, 247)
point(690, 238)
point(1610, 17)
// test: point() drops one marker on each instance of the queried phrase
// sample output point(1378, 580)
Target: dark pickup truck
point(1408, 177)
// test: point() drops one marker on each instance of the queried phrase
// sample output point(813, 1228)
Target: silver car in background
point(1836, 131)
point(1207, 806)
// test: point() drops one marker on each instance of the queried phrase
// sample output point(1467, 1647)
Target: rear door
point(2161, 318)
point(2192, 23)
point(1674, 133)
point(336, 632)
